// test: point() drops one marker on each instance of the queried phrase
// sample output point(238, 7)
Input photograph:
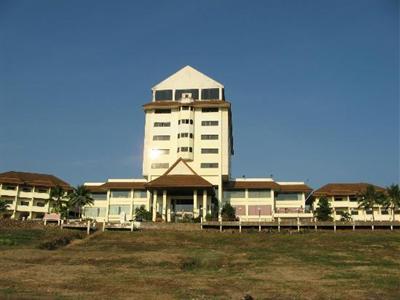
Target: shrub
point(190, 264)
point(324, 210)
point(142, 214)
point(228, 212)
point(345, 217)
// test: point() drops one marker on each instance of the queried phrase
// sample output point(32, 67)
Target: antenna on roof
point(243, 176)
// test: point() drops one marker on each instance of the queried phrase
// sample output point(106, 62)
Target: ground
point(175, 264)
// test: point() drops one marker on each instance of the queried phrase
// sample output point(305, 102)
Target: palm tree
point(79, 197)
point(393, 198)
point(369, 198)
point(56, 198)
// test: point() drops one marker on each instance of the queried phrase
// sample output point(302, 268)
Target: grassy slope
point(170, 264)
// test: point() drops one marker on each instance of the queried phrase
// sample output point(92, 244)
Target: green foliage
point(57, 200)
point(210, 217)
point(393, 197)
point(3, 206)
point(371, 197)
point(228, 212)
point(80, 197)
point(142, 214)
point(345, 216)
point(324, 210)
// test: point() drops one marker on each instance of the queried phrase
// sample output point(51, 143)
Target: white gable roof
point(187, 78)
point(181, 168)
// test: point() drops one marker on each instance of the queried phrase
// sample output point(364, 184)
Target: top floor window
point(139, 194)
point(234, 194)
point(163, 95)
point(162, 111)
point(209, 94)
point(194, 92)
point(27, 189)
point(287, 196)
point(9, 187)
point(99, 196)
point(121, 194)
point(209, 109)
point(41, 190)
point(259, 193)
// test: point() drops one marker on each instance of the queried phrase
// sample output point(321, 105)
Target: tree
point(228, 212)
point(324, 210)
point(57, 199)
point(3, 206)
point(79, 197)
point(369, 198)
point(142, 214)
point(393, 198)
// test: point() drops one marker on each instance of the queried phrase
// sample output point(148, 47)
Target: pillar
point(108, 205)
point(168, 209)
point(204, 203)
point(154, 216)
point(164, 205)
point(195, 209)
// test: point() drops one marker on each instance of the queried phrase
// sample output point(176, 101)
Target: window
point(121, 194)
point(185, 135)
point(24, 203)
point(185, 121)
point(354, 212)
point(41, 190)
point(163, 95)
point(185, 149)
point(118, 209)
point(209, 165)
point(186, 108)
point(209, 123)
point(234, 194)
point(384, 212)
point(339, 199)
point(287, 196)
point(161, 138)
point(259, 193)
point(162, 111)
point(194, 92)
point(40, 204)
point(10, 187)
point(209, 109)
point(159, 165)
point(209, 150)
point(353, 199)
point(207, 94)
point(209, 136)
point(369, 212)
point(27, 189)
point(99, 196)
point(139, 194)
point(157, 152)
point(162, 124)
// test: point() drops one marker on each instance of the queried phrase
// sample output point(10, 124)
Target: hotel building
point(27, 194)
point(188, 145)
point(344, 197)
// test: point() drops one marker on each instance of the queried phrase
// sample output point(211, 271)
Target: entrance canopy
point(179, 176)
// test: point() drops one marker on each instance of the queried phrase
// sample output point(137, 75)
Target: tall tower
point(188, 118)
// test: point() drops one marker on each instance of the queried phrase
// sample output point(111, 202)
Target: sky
point(314, 85)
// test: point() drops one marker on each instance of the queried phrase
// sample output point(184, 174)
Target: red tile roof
point(344, 189)
point(32, 179)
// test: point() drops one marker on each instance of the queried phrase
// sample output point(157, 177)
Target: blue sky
point(314, 85)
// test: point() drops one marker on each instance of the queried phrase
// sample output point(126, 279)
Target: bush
point(60, 241)
point(324, 210)
point(345, 217)
point(142, 214)
point(228, 212)
point(190, 264)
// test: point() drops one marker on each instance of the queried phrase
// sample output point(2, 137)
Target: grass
point(201, 265)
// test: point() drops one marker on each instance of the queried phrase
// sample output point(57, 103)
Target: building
point(27, 194)
point(188, 144)
point(344, 197)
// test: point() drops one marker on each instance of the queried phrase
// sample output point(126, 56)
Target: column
point(154, 205)
point(168, 209)
point(195, 209)
point(220, 195)
point(108, 205)
point(204, 203)
point(132, 206)
point(15, 203)
point(164, 205)
point(148, 200)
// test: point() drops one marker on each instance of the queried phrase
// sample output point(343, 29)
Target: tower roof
point(187, 78)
